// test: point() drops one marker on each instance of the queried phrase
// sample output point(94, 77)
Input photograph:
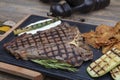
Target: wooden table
point(17, 9)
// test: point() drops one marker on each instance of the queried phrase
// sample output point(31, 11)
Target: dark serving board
point(81, 74)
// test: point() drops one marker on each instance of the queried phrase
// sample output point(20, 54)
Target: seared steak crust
point(62, 42)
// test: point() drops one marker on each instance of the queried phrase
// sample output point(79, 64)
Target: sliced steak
point(62, 42)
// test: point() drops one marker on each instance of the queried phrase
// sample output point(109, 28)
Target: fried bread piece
point(104, 36)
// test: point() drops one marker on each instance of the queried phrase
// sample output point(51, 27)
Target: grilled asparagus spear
point(56, 64)
point(36, 26)
point(105, 63)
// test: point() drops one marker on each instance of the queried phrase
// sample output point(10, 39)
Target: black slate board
point(79, 75)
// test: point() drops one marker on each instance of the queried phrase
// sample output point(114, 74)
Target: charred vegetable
point(6, 26)
point(36, 26)
point(115, 73)
point(56, 64)
point(105, 63)
point(4, 29)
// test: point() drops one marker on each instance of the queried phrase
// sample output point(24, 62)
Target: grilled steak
point(62, 42)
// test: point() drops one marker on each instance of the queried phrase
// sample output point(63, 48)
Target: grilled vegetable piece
point(6, 26)
point(115, 73)
point(4, 29)
point(50, 63)
point(105, 63)
point(36, 26)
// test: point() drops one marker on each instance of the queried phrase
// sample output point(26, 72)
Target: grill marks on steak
point(62, 42)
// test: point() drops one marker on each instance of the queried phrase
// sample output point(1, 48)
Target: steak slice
point(63, 43)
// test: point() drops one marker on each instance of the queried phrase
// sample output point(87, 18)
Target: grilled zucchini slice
point(105, 63)
point(115, 73)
